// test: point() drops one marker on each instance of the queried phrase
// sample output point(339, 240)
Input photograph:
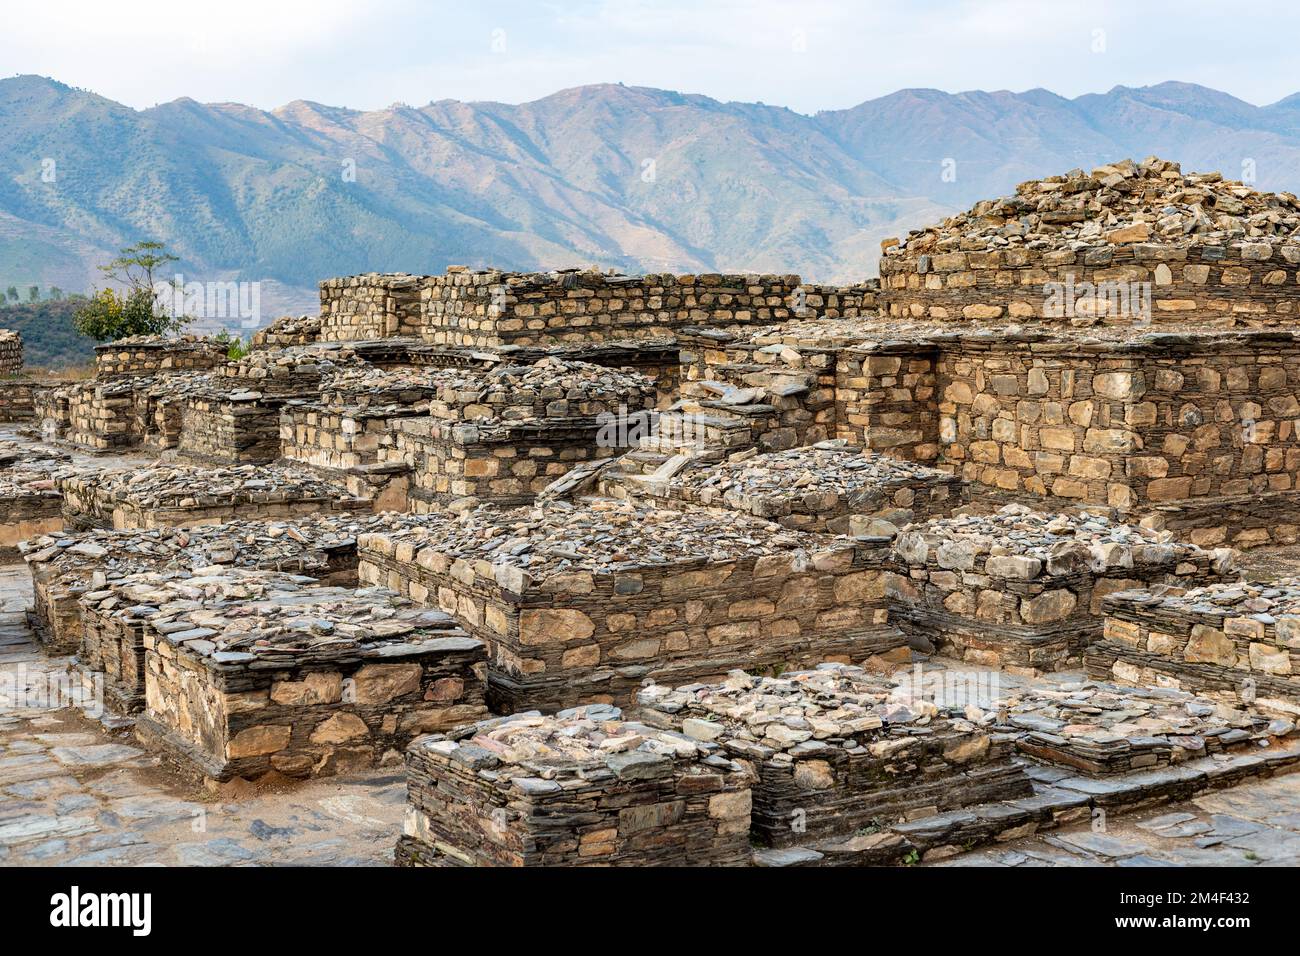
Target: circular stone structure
point(1127, 243)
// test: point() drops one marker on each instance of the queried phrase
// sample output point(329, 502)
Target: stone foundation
point(692, 596)
point(66, 566)
point(165, 496)
point(836, 750)
point(830, 487)
point(1237, 643)
point(1023, 590)
point(338, 679)
point(583, 788)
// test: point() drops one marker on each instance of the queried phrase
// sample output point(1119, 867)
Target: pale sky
point(808, 55)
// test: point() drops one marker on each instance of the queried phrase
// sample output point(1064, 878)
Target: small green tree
point(109, 315)
point(33, 293)
point(56, 293)
point(12, 292)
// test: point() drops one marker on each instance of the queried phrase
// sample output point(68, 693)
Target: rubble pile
point(547, 389)
point(1127, 243)
point(1023, 589)
point(288, 330)
point(831, 486)
point(838, 749)
point(1152, 201)
point(584, 787)
point(1235, 642)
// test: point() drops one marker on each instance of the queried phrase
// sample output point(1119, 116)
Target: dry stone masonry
point(581, 603)
point(188, 495)
point(583, 788)
point(1125, 243)
point(1022, 589)
point(829, 487)
point(836, 750)
point(764, 514)
point(1237, 643)
point(65, 566)
point(244, 674)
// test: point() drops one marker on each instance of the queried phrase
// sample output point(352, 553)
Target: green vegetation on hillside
point(49, 338)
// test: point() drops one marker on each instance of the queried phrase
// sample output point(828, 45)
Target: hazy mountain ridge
point(635, 178)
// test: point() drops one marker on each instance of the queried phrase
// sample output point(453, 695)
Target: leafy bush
point(110, 316)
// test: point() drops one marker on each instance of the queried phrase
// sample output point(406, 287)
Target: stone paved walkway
point(1254, 824)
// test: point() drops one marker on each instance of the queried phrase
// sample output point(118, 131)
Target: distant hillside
point(635, 178)
point(49, 340)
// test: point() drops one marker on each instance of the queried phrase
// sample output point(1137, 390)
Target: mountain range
point(639, 179)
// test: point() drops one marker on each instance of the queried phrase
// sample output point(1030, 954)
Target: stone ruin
point(1023, 590)
point(660, 569)
point(581, 604)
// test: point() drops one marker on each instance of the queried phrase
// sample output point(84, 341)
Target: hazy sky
point(807, 55)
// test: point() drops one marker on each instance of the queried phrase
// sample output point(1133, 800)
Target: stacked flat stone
point(286, 331)
point(147, 354)
point(1154, 199)
point(1238, 643)
point(29, 499)
point(831, 486)
point(546, 389)
point(66, 565)
point(837, 749)
point(114, 620)
point(585, 787)
point(1206, 249)
point(581, 602)
point(1102, 729)
point(11, 352)
point(1023, 589)
point(242, 678)
point(175, 495)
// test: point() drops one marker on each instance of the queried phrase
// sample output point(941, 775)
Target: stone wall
point(826, 761)
point(371, 306)
point(487, 461)
point(147, 355)
point(341, 705)
point(1237, 643)
point(1126, 424)
point(1023, 590)
point(288, 330)
point(27, 509)
point(887, 397)
point(183, 497)
point(607, 793)
point(582, 637)
point(1252, 283)
point(496, 308)
point(230, 431)
point(11, 352)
